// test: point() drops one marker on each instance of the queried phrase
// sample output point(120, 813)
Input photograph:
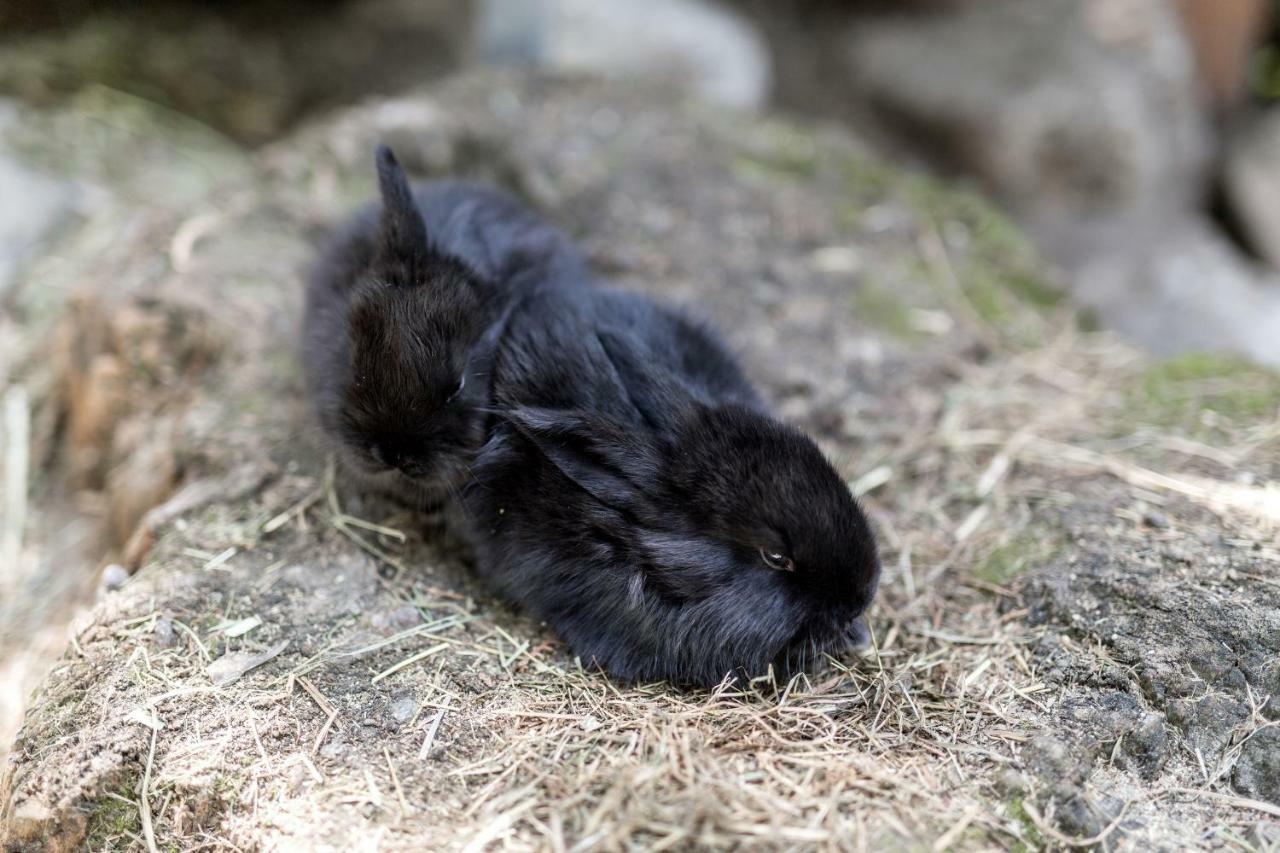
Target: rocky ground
point(1077, 641)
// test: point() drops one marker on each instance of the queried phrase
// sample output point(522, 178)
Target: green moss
point(777, 150)
point(1031, 838)
point(1010, 559)
point(879, 308)
point(999, 271)
point(113, 818)
point(1176, 393)
point(996, 267)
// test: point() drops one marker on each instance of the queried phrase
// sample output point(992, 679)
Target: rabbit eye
point(462, 383)
point(777, 560)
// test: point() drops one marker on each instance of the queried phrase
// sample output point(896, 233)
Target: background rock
point(1087, 120)
point(1251, 181)
point(695, 44)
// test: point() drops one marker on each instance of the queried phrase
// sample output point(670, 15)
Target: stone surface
point(1085, 119)
point(250, 70)
point(1251, 181)
point(696, 44)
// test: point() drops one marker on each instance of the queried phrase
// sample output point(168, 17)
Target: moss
point(1031, 838)
point(1000, 272)
point(113, 818)
point(998, 269)
point(1176, 392)
point(1011, 558)
point(777, 150)
point(881, 309)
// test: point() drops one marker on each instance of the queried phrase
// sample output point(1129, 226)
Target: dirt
point(1077, 635)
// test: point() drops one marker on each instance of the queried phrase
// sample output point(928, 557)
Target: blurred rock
point(248, 70)
point(33, 204)
point(1061, 108)
point(1251, 180)
point(1086, 119)
point(1182, 285)
point(114, 577)
point(691, 43)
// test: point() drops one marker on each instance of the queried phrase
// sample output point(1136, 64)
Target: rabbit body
point(635, 493)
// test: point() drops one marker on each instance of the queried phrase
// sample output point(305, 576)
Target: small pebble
point(114, 577)
point(1155, 520)
point(406, 616)
point(163, 634)
point(403, 709)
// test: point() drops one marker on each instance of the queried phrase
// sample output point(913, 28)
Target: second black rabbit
point(635, 493)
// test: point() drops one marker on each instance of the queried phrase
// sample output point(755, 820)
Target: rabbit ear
point(402, 232)
point(656, 393)
point(603, 459)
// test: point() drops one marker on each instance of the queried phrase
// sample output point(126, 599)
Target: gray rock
point(1175, 286)
point(1063, 109)
point(1208, 723)
point(1257, 772)
point(163, 634)
point(114, 577)
point(691, 43)
point(34, 203)
point(1084, 119)
point(1251, 177)
point(403, 709)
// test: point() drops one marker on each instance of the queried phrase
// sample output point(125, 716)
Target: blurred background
point(1138, 141)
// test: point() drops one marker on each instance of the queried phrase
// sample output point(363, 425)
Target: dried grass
point(901, 744)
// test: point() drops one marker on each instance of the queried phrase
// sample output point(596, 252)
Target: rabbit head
point(407, 405)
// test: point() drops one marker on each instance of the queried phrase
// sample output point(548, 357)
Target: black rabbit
point(635, 494)
point(402, 306)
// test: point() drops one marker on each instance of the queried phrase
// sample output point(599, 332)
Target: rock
point(1144, 746)
point(1085, 119)
point(1054, 761)
point(1178, 285)
point(403, 709)
point(114, 577)
point(35, 202)
point(249, 73)
point(1257, 772)
point(164, 635)
point(694, 44)
point(1208, 724)
point(1251, 181)
point(1063, 109)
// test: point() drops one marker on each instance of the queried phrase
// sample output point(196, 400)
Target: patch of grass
point(780, 150)
point(881, 309)
point(1175, 393)
point(1011, 558)
point(1032, 839)
point(113, 820)
point(987, 257)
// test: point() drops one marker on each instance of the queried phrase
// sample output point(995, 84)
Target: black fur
point(632, 479)
point(402, 307)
